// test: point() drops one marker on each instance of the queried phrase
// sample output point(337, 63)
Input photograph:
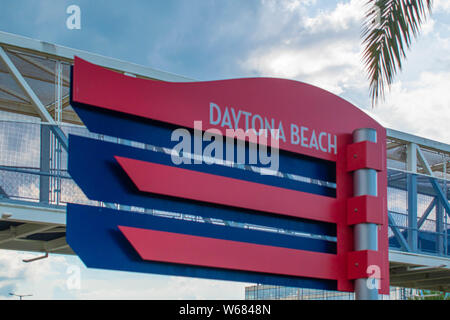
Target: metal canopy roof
point(409, 270)
point(31, 227)
point(31, 89)
point(37, 62)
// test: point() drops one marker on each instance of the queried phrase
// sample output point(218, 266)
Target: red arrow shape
point(178, 248)
point(286, 101)
point(194, 185)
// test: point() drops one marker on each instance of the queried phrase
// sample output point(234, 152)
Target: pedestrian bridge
point(36, 118)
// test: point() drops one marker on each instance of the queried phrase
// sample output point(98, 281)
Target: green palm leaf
point(388, 29)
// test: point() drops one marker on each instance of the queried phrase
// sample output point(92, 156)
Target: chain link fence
point(268, 292)
point(432, 230)
point(31, 172)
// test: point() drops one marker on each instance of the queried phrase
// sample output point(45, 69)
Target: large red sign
point(309, 120)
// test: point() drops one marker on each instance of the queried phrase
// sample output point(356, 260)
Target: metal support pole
point(413, 233)
point(412, 152)
point(44, 181)
point(58, 93)
point(365, 234)
point(444, 223)
point(440, 228)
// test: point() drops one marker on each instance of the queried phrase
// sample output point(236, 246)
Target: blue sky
point(314, 41)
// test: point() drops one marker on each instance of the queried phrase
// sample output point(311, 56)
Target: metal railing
point(268, 292)
point(33, 168)
point(429, 233)
point(33, 165)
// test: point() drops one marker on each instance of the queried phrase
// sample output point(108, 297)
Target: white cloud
point(47, 279)
point(341, 18)
point(326, 52)
point(420, 106)
point(289, 5)
point(332, 66)
point(38, 278)
point(144, 286)
point(441, 5)
point(428, 26)
point(322, 50)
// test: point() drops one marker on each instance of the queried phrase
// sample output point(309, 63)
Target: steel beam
point(62, 53)
point(411, 157)
point(398, 234)
point(440, 195)
point(428, 191)
point(419, 271)
point(408, 138)
point(417, 259)
point(17, 107)
point(22, 211)
point(413, 231)
point(33, 246)
point(25, 87)
point(31, 76)
point(439, 167)
point(392, 145)
point(56, 244)
point(426, 213)
point(439, 228)
point(14, 94)
point(42, 67)
point(65, 103)
point(396, 176)
point(411, 183)
point(44, 181)
point(424, 162)
point(21, 231)
point(40, 108)
point(423, 280)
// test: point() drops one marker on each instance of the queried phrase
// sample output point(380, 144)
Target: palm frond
point(388, 30)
